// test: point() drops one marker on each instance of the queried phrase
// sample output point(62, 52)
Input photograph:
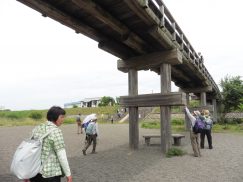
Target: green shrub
point(175, 152)
point(69, 120)
point(35, 115)
point(150, 125)
point(12, 115)
point(177, 121)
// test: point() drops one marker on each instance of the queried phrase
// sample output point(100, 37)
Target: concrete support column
point(133, 111)
point(165, 111)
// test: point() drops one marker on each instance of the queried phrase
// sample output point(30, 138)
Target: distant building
point(87, 102)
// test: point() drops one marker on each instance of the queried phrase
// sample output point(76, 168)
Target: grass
point(175, 152)
point(177, 125)
point(35, 117)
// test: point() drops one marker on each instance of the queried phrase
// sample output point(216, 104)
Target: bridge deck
point(127, 29)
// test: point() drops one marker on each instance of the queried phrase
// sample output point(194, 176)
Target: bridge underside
point(129, 29)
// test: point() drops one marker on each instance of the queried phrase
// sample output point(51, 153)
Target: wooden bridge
point(145, 36)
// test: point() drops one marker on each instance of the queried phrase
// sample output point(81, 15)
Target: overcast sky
point(44, 63)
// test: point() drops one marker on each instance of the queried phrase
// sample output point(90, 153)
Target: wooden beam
point(203, 99)
point(198, 90)
point(165, 110)
point(133, 40)
point(133, 111)
point(148, 100)
point(200, 108)
point(148, 61)
point(116, 49)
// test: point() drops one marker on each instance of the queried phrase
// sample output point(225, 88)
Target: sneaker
point(93, 152)
point(84, 152)
point(210, 147)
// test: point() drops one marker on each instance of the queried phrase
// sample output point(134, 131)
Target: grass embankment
point(35, 117)
point(178, 125)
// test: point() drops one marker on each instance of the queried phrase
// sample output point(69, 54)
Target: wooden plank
point(133, 40)
point(148, 61)
point(149, 100)
point(198, 89)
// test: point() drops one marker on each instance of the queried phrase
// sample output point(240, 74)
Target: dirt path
point(116, 163)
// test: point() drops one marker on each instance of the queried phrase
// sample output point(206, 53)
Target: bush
point(13, 115)
point(175, 152)
point(177, 121)
point(35, 115)
point(69, 120)
point(150, 125)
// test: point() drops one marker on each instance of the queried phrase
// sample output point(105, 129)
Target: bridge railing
point(168, 22)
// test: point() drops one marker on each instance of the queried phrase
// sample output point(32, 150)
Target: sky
point(43, 63)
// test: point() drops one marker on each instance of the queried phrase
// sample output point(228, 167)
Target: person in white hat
point(91, 134)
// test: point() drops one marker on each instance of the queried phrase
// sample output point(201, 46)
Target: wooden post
point(187, 121)
point(203, 100)
point(165, 111)
point(215, 115)
point(133, 111)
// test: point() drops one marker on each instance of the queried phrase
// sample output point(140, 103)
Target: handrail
point(169, 22)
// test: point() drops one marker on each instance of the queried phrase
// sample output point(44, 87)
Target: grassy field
point(177, 125)
point(35, 117)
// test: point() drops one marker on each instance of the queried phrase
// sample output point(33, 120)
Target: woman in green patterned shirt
point(53, 155)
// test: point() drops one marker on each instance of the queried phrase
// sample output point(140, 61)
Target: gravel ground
point(114, 162)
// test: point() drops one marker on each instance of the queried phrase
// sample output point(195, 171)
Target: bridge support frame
point(162, 61)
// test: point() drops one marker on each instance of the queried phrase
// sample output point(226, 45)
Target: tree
point(232, 91)
point(106, 101)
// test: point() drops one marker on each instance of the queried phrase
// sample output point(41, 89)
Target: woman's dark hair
point(54, 112)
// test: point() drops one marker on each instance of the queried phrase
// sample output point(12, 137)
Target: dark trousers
point(39, 178)
point(89, 140)
point(209, 137)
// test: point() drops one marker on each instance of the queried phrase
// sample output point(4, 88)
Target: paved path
point(116, 163)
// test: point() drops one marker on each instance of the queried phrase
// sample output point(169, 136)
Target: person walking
point(78, 121)
point(194, 136)
point(91, 135)
point(207, 130)
point(53, 154)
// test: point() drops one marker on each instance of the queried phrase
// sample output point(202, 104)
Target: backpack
point(90, 128)
point(209, 124)
point(26, 161)
point(85, 125)
point(199, 125)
